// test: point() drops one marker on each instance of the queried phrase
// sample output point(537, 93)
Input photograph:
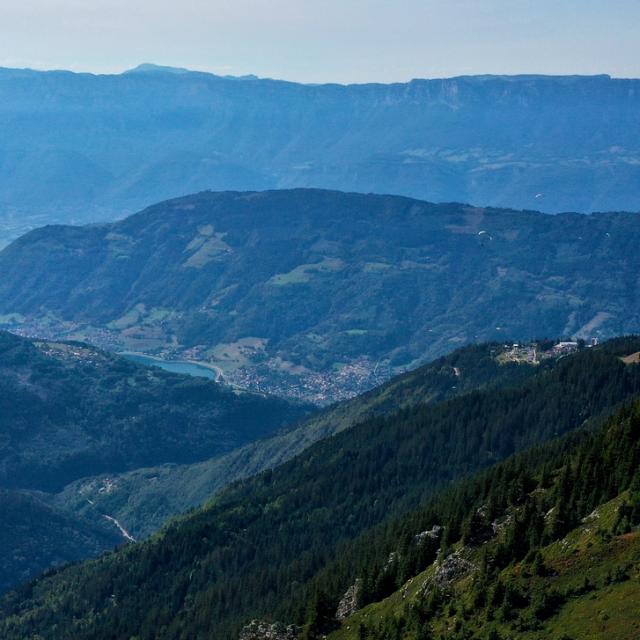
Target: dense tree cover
point(38, 535)
point(319, 278)
point(144, 499)
point(538, 497)
point(253, 550)
point(68, 411)
point(35, 535)
point(46, 530)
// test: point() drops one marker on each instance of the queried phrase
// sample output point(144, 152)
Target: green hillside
point(144, 499)
point(589, 589)
point(34, 537)
point(322, 294)
point(68, 410)
point(265, 545)
point(549, 548)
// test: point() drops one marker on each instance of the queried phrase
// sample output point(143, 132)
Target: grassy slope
point(609, 609)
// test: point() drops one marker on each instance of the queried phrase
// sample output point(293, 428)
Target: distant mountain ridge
point(83, 147)
point(149, 67)
point(322, 294)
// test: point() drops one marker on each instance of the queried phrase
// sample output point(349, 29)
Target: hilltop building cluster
point(536, 352)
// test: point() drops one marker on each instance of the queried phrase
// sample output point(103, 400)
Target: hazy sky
point(326, 40)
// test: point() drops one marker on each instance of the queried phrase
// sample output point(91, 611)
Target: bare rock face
point(261, 630)
point(348, 604)
point(432, 535)
point(453, 568)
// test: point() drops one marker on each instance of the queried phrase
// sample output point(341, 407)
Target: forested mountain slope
point(144, 499)
point(256, 547)
point(35, 536)
point(321, 294)
point(544, 546)
point(556, 143)
point(68, 410)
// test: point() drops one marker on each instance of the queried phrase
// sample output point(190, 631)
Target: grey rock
point(434, 534)
point(261, 630)
point(349, 603)
point(448, 571)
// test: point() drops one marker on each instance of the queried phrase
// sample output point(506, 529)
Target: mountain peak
point(148, 67)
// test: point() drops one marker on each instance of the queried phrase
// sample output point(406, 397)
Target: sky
point(326, 40)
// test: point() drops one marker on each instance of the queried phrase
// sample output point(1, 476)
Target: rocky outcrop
point(448, 571)
point(499, 525)
point(391, 560)
point(479, 529)
point(453, 568)
point(349, 602)
point(431, 535)
point(261, 630)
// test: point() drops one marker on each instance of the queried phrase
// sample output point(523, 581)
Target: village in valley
point(243, 364)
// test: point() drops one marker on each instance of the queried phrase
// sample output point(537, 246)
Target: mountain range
point(290, 406)
point(83, 147)
point(412, 523)
point(69, 408)
point(68, 411)
point(317, 294)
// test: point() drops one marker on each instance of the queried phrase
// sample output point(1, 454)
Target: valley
point(145, 499)
point(581, 418)
point(349, 355)
point(69, 411)
point(319, 295)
